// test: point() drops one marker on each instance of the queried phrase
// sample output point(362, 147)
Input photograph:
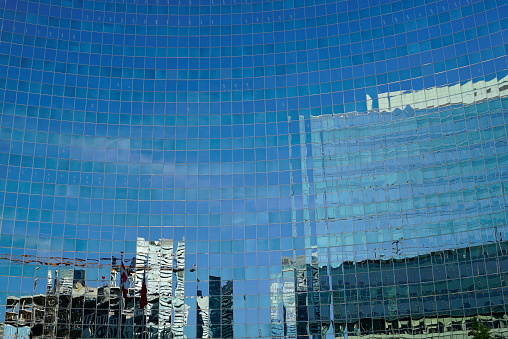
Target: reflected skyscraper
point(215, 312)
point(221, 308)
point(307, 169)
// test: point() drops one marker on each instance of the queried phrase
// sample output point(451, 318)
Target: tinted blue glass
point(247, 169)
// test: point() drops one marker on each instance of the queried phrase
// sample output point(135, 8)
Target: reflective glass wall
point(277, 169)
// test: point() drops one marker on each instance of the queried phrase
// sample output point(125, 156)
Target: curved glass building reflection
point(263, 169)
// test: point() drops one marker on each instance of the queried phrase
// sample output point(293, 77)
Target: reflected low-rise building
point(88, 313)
point(71, 309)
point(414, 297)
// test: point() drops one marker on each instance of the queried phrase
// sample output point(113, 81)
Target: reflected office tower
point(202, 316)
point(180, 308)
point(302, 312)
point(276, 310)
point(166, 286)
point(66, 281)
point(221, 307)
point(305, 310)
point(227, 309)
point(165, 269)
point(283, 301)
point(49, 283)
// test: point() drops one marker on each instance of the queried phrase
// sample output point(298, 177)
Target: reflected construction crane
point(57, 261)
point(74, 262)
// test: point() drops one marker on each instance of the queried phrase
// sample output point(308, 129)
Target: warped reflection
point(301, 169)
point(412, 297)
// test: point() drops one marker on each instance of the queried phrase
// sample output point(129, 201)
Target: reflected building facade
point(215, 311)
point(70, 309)
point(434, 293)
point(302, 169)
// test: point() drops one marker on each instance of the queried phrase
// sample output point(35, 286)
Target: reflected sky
point(326, 131)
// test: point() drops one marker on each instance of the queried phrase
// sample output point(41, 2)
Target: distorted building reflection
point(215, 311)
point(439, 292)
point(71, 309)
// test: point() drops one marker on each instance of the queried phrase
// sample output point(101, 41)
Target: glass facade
point(266, 169)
